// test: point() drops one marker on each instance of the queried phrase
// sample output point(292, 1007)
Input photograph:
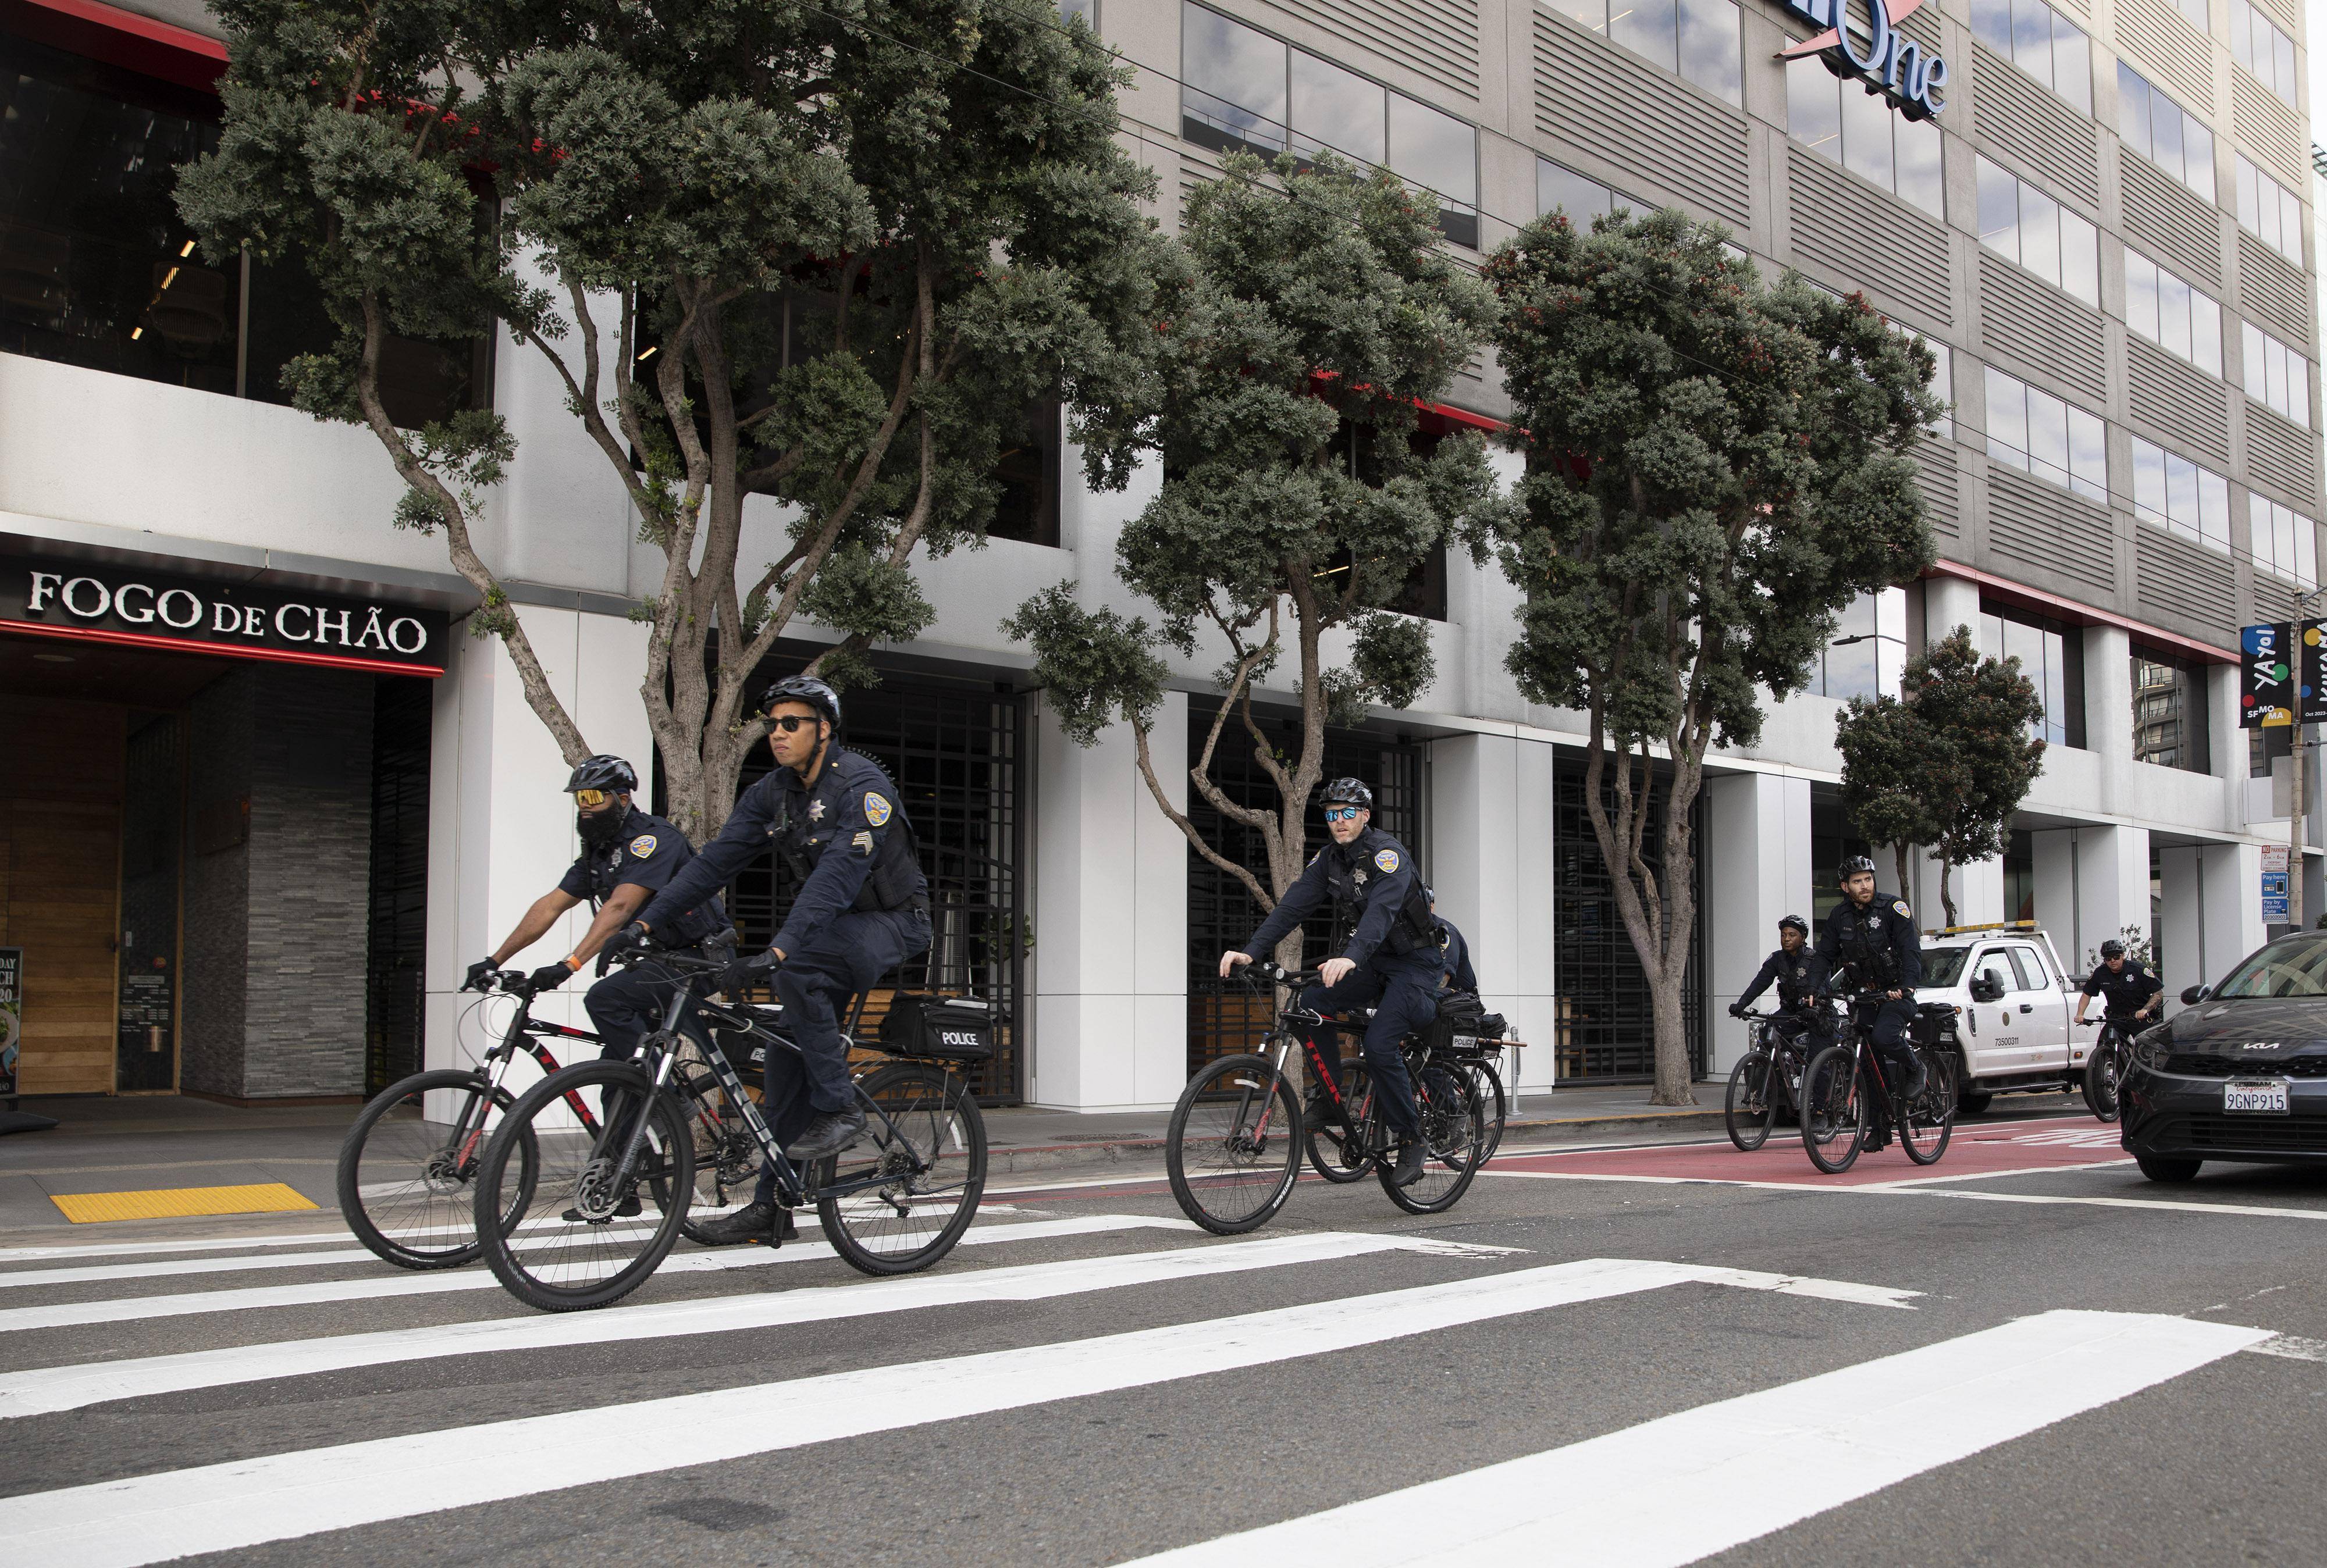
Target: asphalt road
point(1602, 1356)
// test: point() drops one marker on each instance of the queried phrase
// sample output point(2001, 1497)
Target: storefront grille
point(954, 754)
point(1227, 1016)
point(1605, 1027)
point(397, 931)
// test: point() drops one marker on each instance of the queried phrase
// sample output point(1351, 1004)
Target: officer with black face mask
point(627, 856)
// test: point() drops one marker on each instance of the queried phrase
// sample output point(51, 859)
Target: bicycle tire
point(1455, 1130)
point(392, 1215)
point(606, 1260)
point(1233, 1097)
point(925, 1108)
point(726, 1155)
point(1750, 1108)
point(1494, 1105)
point(1931, 1121)
point(2101, 1078)
point(1330, 1146)
point(1834, 1109)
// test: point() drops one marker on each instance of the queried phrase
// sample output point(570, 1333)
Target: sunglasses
point(590, 800)
point(1341, 813)
point(792, 722)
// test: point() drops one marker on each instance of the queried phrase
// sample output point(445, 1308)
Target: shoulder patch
point(876, 807)
point(642, 846)
point(1387, 859)
point(1904, 912)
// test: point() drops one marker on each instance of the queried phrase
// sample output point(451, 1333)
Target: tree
point(1714, 468)
point(1972, 716)
point(822, 258)
point(1316, 309)
point(1886, 776)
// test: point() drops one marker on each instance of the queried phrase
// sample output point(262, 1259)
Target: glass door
point(152, 822)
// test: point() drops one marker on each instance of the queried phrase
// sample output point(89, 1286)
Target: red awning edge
point(2085, 614)
point(122, 38)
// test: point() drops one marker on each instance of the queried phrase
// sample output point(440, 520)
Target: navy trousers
point(814, 985)
point(627, 1005)
point(1404, 995)
point(1889, 1027)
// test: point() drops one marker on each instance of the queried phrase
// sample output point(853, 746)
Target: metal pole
point(2294, 806)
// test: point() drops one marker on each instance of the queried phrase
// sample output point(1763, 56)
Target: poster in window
point(12, 1014)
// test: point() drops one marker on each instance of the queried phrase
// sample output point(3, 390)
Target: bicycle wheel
point(1494, 1105)
point(1931, 1120)
point(568, 1243)
point(911, 1184)
point(1750, 1107)
point(726, 1155)
point(1337, 1149)
point(1834, 1109)
point(1456, 1132)
point(2102, 1071)
point(405, 1181)
point(1234, 1146)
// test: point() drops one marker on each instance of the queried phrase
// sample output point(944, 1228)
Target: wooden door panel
point(60, 843)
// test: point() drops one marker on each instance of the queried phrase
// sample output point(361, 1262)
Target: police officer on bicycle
point(2132, 991)
point(627, 856)
point(862, 908)
point(1800, 977)
point(1870, 944)
point(1392, 960)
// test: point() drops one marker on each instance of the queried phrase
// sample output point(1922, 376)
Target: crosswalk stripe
point(1749, 1465)
point(48, 1389)
point(151, 1518)
point(383, 1286)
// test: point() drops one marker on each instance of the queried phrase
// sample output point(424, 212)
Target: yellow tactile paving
point(171, 1202)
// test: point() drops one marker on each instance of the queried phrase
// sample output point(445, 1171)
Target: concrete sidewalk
point(169, 1143)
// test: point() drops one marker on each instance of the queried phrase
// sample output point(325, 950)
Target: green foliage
point(868, 593)
point(1094, 666)
point(1886, 770)
point(1974, 714)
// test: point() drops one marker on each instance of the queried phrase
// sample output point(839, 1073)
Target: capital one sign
point(1876, 51)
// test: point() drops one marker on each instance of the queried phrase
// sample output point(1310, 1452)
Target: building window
point(2167, 311)
point(2036, 433)
point(1583, 198)
point(2267, 54)
point(2169, 712)
point(2282, 541)
point(1694, 39)
point(2277, 376)
point(2175, 493)
point(1245, 91)
point(2020, 222)
point(2052, 655)
point(2270, 211)
point(2041, 42)
point(1868, 653)
point(2193, 11)
point(2164, 132)
point(1086, 9)
point(1862, 131)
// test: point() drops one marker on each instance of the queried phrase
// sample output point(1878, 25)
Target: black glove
point(630, 939)
point(1737, 1010)
point(480, 976)
point(549, 976)
point(744, 973)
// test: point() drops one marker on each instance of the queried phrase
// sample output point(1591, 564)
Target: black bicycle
point(591, 1214)
point(1238, 1136)
point(1845, 1097)
point(2106, 1068)
point(1765, 1084)
point(406, 1171)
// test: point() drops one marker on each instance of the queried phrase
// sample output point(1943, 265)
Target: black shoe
point(1919, 1079)
point(1410, 1156)
point(828, 1134)
point(627, 1208)
point(762, 1222)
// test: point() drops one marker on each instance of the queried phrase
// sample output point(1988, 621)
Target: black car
point(2242, 1074)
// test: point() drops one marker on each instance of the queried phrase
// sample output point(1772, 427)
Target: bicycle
point(2104, 1069)
point(1844, 1091)
point(1767, 1079)
point(1327, 1139)
point(601, 1208)
point(405, 1179)
point(1238, 1134)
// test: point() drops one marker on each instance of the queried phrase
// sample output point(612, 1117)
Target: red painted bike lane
point(2050, 1144)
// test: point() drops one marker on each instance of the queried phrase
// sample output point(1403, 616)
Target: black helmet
point(1798, 923)
point(2112, 948)
point(804, 688)
point(1346, 792)
point(1851, 864)
point(602, 771)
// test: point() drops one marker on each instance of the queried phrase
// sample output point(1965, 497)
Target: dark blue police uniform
point(862, 909)
point(2125, 993)
point(1876, 948)
point(1800, 978)
point(1455, 957)
point(647, 852)
point(1394, 945)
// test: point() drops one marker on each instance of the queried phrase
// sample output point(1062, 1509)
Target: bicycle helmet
point(602, 771)
point(1851, 865)
point(1798, 923)
point(2112, 948)
point(1346, 792)
point(804, 688)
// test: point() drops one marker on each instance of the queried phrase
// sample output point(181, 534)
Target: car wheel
point(2158, 1168)
point(1973, 1103)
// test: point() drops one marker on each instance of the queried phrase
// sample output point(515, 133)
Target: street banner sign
point(2274, 885)
point(2266, 676)
point(12, 1015)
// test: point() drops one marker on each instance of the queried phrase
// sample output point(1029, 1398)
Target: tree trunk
point(1947, 893)
point(1649, 909)
point(1899, 860)
point(1676, 1073)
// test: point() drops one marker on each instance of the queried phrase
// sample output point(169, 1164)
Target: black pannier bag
point(948, 1028)
point(1463, 1023)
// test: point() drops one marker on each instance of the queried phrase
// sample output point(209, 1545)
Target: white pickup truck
point(2014, 1002)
